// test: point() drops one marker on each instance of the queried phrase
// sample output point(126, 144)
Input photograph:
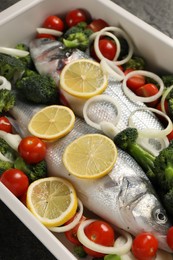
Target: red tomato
point(170, 237)
point(97, 25)
point(107, 48)
point(166, 106)
point(145, 246)
point(101, 233)
point(75, 16)
point(54, 22)
point(32, 149)
point(5, 124)
point(16, 181)
point(23, 198)
point(170, 136)
point(45, 35)
point(135, 82)
point(148, 90)
point(71, 235)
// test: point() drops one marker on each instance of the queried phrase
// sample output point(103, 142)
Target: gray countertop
point(16, 241)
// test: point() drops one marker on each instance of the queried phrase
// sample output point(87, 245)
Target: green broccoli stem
point(143, 158)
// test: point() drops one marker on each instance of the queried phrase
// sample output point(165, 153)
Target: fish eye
point(160, 216)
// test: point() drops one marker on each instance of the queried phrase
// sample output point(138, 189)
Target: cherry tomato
point(75, 16)
point(107, 48)
point(97, 25)
point(71, 235)
point(45, 35)
point(32, 149)
point(5, 124)
point(169, 237)
point(54, 22)
point(101, 233)
point(23, 198)
point(16, 181)
point(148, 90)
point(134, 82)
point(145, 246)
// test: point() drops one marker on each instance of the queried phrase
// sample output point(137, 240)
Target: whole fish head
point(141, 209)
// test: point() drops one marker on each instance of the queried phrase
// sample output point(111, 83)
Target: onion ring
point(112, 69)
point(4, 83)
point(150, 132)
point(125, 248)
point(49, 31)
point(133, 96)
point(13, 52)
point(118, 31)
point(164, 96)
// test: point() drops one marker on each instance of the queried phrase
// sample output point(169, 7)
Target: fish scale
point(124, 197)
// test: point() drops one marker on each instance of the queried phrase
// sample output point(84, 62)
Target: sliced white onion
point(150, 132)
point(114, 30)
point(119, 242)
point(96, 44)
point(125, 248)
point(101, 98)
point(4, 158)
point(160, 144)
point(12, 139)
point(4, 83)
point(110, 68)
point(13, 52)
point(164, 96)
point(132, 96)
point(49, 31)
point(109, 129)
point(72, 224)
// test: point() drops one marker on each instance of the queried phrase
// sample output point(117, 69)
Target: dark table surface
point(16, 241)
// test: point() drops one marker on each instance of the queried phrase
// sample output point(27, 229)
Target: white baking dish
point(19, 22)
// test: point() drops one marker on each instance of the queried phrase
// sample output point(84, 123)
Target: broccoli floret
point(126, 140)
point(7, 100)
point(170, 108)
point(79, 251)
point(33, 171)
point(167, 80)
point(168, 201)
point(7, 150)
point(39, 89)
point(77, 36)
point(5, 165)
point(136, 63)
point(164, 168)
point(11, 67)
point(27, 60)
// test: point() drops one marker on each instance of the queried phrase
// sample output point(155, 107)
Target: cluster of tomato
point(107, 47)
point(144, 246)
point(32, 150)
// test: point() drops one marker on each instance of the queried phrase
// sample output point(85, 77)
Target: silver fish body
point(125, 197)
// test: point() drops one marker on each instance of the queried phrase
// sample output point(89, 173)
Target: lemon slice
point(90, 156)
point(83, 78)
point(52, 122)
point(52, 200)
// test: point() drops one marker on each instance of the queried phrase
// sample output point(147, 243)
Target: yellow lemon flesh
point(52, 122)
point(83, 78)
point(90, 156)
point(52, 200)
